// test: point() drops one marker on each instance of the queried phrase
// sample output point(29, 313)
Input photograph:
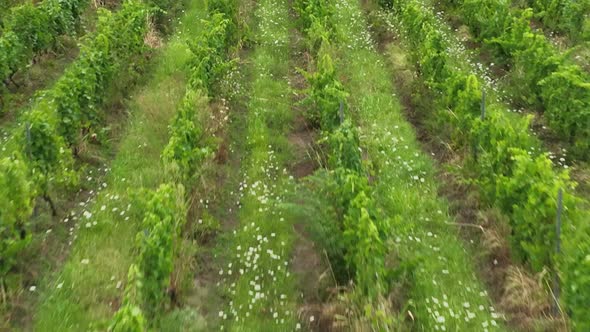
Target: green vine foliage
point(210, 53)
point(30, 26)
point(499, 143)
point(568, 17)
point(56, 121)
point(230, 11)
point(315, 17)
point(532, 205)
point(16, 206)
point(326, 94)
point(166, 209)
point(30, 29)
point(463, 96)
point(77, 95)
point(507, 164)
point(493, 140)
point(343, 145)
point(365, 235)
point(359, 240)
point(572, 119)
point(538, 67)
point(63, 113)
point(574, 266)
point(477, 12)
point(532, 56)
point(46, 153)
point(184, 146)
point(163, 220)
point(129, 317)
point(5, 7)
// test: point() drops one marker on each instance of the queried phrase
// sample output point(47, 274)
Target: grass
point(257, 280)
point(87, 291)
point(445, 294)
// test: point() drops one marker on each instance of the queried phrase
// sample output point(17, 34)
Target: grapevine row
point(565, 16)
point(39, 154)
point(384, 210)
point(5, 7)
point(511, 172)
point(362, 232)
point(31, 29)
point(157, 242)
point(546, 78)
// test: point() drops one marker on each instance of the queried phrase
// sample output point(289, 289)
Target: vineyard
point(294, 165)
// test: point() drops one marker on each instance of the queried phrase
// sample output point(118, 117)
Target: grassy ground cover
point(257, 280)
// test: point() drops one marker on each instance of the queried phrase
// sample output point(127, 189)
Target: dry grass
point(524, 293)
point(528, 298)
point(495, 235)
point(152, 37)
point(525, 298)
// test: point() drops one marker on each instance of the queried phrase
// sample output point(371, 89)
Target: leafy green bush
point(565, 16)
point(477, 14)
point(30, 25)
point(571, 119)
point(508, 167)
point(523, 185)
point(16, 206)
point(163, 220)
point(210, 53)
point(79, 92)
point(574, 270)
point(365, 235)
point(493, 138)
point(315, 17)
point(529, 195)
point(166, 209)
point(326, 94)
point(184, 146)
point(344, 150)
point(230, 10)
point(359, 239)
point(542, 76)
point(463, 96)
point(68, 110)
point(48, 158)
point(30, 29)
point(129, 317)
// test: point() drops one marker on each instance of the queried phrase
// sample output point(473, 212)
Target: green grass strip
point(257, 278)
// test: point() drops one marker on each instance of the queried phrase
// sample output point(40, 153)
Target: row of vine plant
point(362, 231)
point(29, 29)
point(183, 158)
point(564, 16)
point(40, 154)
point(5, 7)
point(544, 77)
point(505, 162)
